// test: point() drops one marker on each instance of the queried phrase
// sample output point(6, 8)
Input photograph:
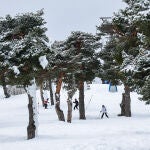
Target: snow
point(16, 70)
point(97, 80)
point(43, 61)
point(115, 133)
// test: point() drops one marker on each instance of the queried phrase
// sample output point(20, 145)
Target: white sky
point(64, 16)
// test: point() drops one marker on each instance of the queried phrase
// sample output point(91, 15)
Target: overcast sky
point(64, 16)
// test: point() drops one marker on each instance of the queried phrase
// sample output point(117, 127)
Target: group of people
point(103, 109)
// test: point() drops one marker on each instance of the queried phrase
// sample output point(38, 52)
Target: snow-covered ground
point(115, 133)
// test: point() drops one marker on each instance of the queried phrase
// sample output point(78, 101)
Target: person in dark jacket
point(76, 104)
point(104, 111)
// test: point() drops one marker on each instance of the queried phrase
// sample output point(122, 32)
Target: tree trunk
point(32, 107)
point(7, 95)
point(126, 103)
point(59, 112)
point(31, 126)
point(45, 89)
point(45, 85)
point(69, 114)
point(41, 93)
point(122, 105)
point(81, 100)
point(51, 92)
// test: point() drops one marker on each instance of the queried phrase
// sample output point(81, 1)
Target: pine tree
point(142, 61)
point(123, 30)
point(110, 69)
point(128, 28)
point(57, 72)
point(5, 24)
point(25, 36)
point(145, 91)
point(136, 54)
point(82, 47)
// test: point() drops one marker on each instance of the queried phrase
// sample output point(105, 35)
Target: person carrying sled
point(104, 111)
point(76, 104)
point(46, 103)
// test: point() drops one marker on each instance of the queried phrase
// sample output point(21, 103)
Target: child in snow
point(76, 104)
point(104, 111)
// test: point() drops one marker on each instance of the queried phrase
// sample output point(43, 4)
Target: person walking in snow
point(46, 103)
point(104, 111)
point(76, 104)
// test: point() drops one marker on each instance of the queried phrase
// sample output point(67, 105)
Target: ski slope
point(115, 133)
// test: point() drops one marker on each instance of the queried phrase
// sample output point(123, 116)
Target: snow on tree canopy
point(43, 61)
point(16, 70)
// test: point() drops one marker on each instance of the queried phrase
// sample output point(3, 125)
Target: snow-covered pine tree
point(145, 91)
point(112, 60)
point(110, 69)
point(4, 52)
point(57, 66)
point(47, 77)
point(142, 61)
point(123, 28)
point(81, 47)
point(25, 36)
point(127, 32)
point(142, 74)
point(62, 64)
point(133, 23)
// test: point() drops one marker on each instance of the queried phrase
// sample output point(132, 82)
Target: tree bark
point(51, 92)
point(41, 93)
point(81, 100)
point(45, 85)
point(7, 95)
point(59, 112)
point(69, 114)
point(32, 107)
point(122, 105)
point(126, 103)
point(31, 126)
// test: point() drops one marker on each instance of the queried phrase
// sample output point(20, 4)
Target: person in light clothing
point(104, 111)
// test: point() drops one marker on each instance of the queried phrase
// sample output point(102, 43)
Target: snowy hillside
point(115, 133)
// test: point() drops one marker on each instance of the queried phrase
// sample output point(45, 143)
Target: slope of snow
point(115, 133)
